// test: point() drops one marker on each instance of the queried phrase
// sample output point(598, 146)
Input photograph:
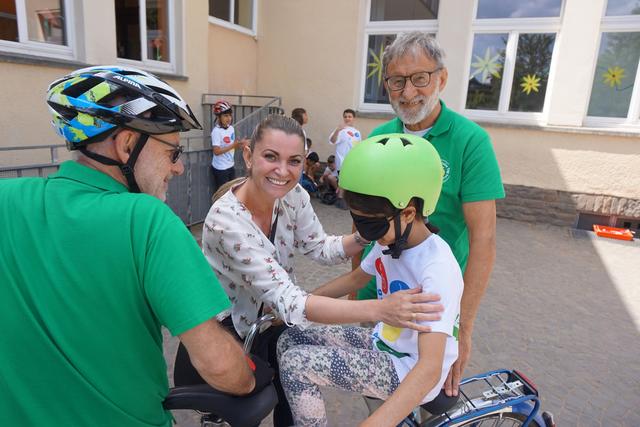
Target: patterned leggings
point(334, 356)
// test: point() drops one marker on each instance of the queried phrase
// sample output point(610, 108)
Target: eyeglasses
point(419, 79)
point(177, 148)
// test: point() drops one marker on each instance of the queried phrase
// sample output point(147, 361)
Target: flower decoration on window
point(486, 67)
point(376, 65)
point(613, 76)
point(530, 82)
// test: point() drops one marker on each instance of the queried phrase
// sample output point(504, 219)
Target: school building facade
point(556, 83)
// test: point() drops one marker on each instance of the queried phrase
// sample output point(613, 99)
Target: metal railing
point(189, 194)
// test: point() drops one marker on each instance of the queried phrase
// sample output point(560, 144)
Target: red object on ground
point(613, 232)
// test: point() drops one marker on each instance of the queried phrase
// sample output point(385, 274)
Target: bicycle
point(501, 398)
point(218, 409)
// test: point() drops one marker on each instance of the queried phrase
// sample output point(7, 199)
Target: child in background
point(224, 143)
point(330, 174)
point(399, 365)
point(307, 179)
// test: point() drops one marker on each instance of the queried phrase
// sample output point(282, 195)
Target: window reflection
point(400, 10)
point(622, 7)
point(157, 30)
point(531, 75)
point(518, 8)
point(485, 75)
point(615, 75)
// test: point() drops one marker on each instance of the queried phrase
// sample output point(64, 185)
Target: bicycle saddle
point(240, 411)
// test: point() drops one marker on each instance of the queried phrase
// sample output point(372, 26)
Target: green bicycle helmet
point(397, 167)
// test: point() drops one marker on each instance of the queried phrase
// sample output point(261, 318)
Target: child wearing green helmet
point(402, 366)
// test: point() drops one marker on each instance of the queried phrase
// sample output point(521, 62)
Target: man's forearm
point(482, 254)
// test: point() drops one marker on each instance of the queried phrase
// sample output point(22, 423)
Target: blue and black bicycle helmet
point(90, 103)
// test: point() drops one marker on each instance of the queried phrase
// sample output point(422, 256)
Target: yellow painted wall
point(232, 60)
point(307, 53)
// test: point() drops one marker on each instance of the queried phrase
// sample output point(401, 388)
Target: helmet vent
point(405, 142)
point(75, 90)
point(383, 141)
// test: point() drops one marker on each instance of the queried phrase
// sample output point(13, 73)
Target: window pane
point(615, 75)
point(220, 9)
point(485, 75)
point(8, 21)
point(243, 11)
point(623, 7)
point(45, 21)
point(518, 8)
point(157, 30)
point(395, 10)
point(374, 91)
point(531, 72)
point(128, 29)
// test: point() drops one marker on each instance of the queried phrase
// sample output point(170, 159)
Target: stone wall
point(561, 208)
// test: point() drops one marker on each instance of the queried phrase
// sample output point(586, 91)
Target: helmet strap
point(127, 169)
point(396, 248)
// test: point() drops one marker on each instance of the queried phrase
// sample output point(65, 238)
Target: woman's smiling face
point(276, 162)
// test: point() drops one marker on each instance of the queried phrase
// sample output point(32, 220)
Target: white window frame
point(381, 28)
point(513, 27)
point(618, 24)
point(30, 47)
point(253, 31)
point(145, 62)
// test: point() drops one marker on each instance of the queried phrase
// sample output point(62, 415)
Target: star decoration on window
point(613, 76)
point(376, 64)
point(530, 82)
point(486, 67)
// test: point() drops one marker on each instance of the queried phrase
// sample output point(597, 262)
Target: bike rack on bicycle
point(514, 393)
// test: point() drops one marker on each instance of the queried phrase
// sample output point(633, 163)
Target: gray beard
point(412, 118)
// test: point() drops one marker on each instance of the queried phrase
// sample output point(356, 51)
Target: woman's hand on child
point(403, 309)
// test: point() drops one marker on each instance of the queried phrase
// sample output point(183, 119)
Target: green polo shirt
point(471, 174)
point(88, 274)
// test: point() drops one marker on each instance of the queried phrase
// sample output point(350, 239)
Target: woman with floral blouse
point(252, 232)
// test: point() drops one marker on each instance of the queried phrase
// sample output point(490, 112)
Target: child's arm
point(344, 285)
point(422, 378)
point(217, 150)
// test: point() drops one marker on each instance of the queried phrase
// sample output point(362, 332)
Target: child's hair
point(297, 114)
point(313, 157)
point(276, 122)
point(349, 110)
point(376, 205)
point(331, 159)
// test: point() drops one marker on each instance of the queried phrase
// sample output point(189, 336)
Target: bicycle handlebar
point(257, 327)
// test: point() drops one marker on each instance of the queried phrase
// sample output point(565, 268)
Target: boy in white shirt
point(400, 365)
point(224, 143)
point(345, 136)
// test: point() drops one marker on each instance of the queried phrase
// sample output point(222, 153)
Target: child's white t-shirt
point(431, 265)
point(222, 137)
point(328, 171)
point(346, 139)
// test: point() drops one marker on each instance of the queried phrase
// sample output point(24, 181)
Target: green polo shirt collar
point(443, 122)
point(78, 172)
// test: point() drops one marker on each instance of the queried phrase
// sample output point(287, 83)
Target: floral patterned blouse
point(254, 271)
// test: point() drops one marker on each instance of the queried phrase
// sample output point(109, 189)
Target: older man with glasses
point(93, 263)
point(415, 75)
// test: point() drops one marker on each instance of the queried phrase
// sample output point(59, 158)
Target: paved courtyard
point(563, 307)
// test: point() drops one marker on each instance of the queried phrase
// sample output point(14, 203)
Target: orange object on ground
point(613, 232)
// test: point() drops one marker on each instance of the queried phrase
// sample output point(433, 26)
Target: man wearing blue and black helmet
point(90, 270)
